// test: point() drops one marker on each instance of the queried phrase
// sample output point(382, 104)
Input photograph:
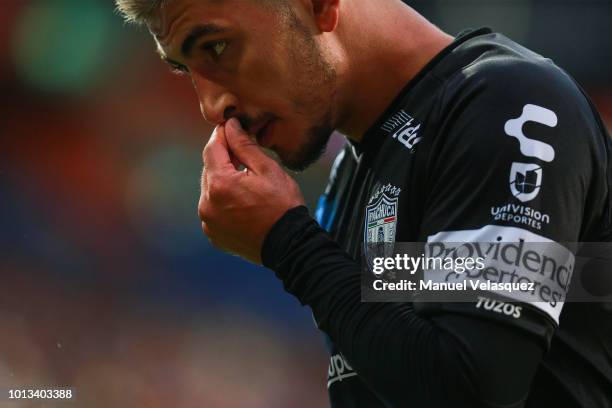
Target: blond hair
point(138, 11)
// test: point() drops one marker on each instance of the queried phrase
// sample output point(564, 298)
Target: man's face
point(257, 62)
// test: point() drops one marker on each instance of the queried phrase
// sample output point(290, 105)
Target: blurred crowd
point(107, 285)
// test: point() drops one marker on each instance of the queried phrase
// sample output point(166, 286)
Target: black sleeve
point(520, 157)
point(407, 360)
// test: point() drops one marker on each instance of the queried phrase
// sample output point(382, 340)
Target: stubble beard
point(318, 84)
point(313, 148)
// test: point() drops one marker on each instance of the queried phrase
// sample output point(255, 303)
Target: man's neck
point(384, 54)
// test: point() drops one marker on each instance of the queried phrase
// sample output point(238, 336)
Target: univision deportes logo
point(520, 214)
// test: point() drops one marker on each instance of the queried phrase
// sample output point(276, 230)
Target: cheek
point(279, 77)
point(264, 69)
point(263, 92)
point(269, 84)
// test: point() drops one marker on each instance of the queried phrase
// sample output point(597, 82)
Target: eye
point(215, 49)
point(178, 69)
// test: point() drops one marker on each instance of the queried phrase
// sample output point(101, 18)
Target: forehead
point(175, 13)
point(173, 22)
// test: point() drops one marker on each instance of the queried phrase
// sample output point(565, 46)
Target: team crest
point(380, 223)
point(381, 220)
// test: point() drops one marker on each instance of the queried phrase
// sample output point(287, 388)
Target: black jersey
point(488, 140)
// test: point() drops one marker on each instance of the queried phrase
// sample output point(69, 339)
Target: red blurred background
point(108, 286)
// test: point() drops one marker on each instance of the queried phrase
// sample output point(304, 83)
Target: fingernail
point(234, 124)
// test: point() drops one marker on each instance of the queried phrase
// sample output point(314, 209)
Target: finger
point(208, 233)
point(246, 150)
point(216, 153)
point(205, 229)
point(203, 181)
point(235, 161)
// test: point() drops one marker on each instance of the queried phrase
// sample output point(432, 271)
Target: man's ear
point(326, 13)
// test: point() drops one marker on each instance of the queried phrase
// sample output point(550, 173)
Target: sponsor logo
point(520, 214)
point(498, 306)
point(530, 147)
point(511, 255)
point(339, 370)
point(526, 178)
point(525, 181)
point(404, 129)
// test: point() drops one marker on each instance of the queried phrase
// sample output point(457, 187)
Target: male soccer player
point(448, 137)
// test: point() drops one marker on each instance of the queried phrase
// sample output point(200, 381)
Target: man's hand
point(238, 208)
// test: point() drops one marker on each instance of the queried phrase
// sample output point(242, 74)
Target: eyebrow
point(195, 34)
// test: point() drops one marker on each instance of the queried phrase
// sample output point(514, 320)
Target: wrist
point(286, 229)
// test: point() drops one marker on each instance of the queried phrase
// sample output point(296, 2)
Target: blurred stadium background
point(107, 284)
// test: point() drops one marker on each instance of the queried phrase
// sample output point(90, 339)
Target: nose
point(216, 101)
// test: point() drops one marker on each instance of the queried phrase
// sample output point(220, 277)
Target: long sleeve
point(406, 359)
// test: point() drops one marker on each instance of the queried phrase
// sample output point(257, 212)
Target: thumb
point(216, 153)
point(244, 148)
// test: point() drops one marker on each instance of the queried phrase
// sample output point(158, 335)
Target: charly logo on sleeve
point(404, 129)
point(526, 178)
point(531, 147)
